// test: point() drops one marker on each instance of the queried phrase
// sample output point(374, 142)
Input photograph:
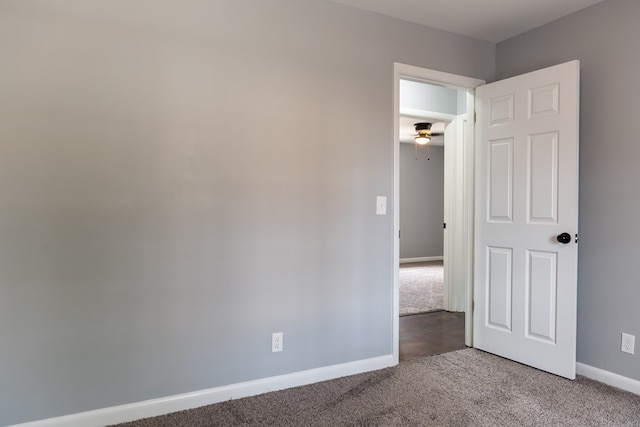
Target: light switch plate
point(381, 205)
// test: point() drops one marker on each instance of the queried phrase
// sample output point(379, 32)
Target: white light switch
point(381, 205)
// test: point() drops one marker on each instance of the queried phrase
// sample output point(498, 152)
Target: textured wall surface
point(421, 201)
point(178, 180)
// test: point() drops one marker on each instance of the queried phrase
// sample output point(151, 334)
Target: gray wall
point(421, 201)
point(605, 39)
point(180, 179)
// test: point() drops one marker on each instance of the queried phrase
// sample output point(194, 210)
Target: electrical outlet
point(628, 343)
point(276, 342)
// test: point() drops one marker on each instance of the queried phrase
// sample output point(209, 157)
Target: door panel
point(500, 180)
point(526, 195)
point(499, 288)
point(542, 180)
point(541, 292)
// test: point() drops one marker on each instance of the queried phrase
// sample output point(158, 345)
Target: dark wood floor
point(431, 333)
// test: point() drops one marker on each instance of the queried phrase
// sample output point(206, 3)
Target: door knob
point(564, 238)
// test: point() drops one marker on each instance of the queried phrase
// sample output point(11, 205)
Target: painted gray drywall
point(178, 180)
point(421, 201)
point(604, 38)
point(420, 96)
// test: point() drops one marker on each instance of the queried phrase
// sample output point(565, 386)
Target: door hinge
point(398, 234)
point(576, 237)
point(445, 225)
point(475, 117)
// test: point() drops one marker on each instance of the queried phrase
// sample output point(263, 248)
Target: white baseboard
point(180, 402)
point(608, 378)
point(421, 259)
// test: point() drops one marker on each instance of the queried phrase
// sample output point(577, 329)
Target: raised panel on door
point(544, 101)
point(500, 185)
point(541, 296)
point(498, 299)
point(542, 178)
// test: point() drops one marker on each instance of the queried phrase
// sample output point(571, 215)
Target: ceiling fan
point(423, 133)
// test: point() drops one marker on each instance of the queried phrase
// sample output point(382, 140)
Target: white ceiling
point(489, 20)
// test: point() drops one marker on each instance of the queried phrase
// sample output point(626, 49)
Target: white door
point(455, 241)
point(525, 279)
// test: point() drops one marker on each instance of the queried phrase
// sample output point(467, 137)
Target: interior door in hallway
point(526, 218)
point(454, 237)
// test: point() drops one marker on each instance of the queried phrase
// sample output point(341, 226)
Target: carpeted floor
point(462, 388)
point(421, 289)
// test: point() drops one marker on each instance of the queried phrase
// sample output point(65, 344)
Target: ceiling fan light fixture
point(423, 135)
point(422, 139)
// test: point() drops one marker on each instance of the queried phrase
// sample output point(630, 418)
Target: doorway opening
point(437, 97)
point(431, 322)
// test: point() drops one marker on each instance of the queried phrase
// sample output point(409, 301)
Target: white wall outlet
point(628, 343)
point(381, 205)
point(276, 342)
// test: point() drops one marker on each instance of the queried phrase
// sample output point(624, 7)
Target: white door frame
point(410, 72)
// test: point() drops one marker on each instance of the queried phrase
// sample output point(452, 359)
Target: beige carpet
point(462, 388)
point(421, 289)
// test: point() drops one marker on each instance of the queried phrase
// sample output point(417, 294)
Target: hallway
point(431, 333)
